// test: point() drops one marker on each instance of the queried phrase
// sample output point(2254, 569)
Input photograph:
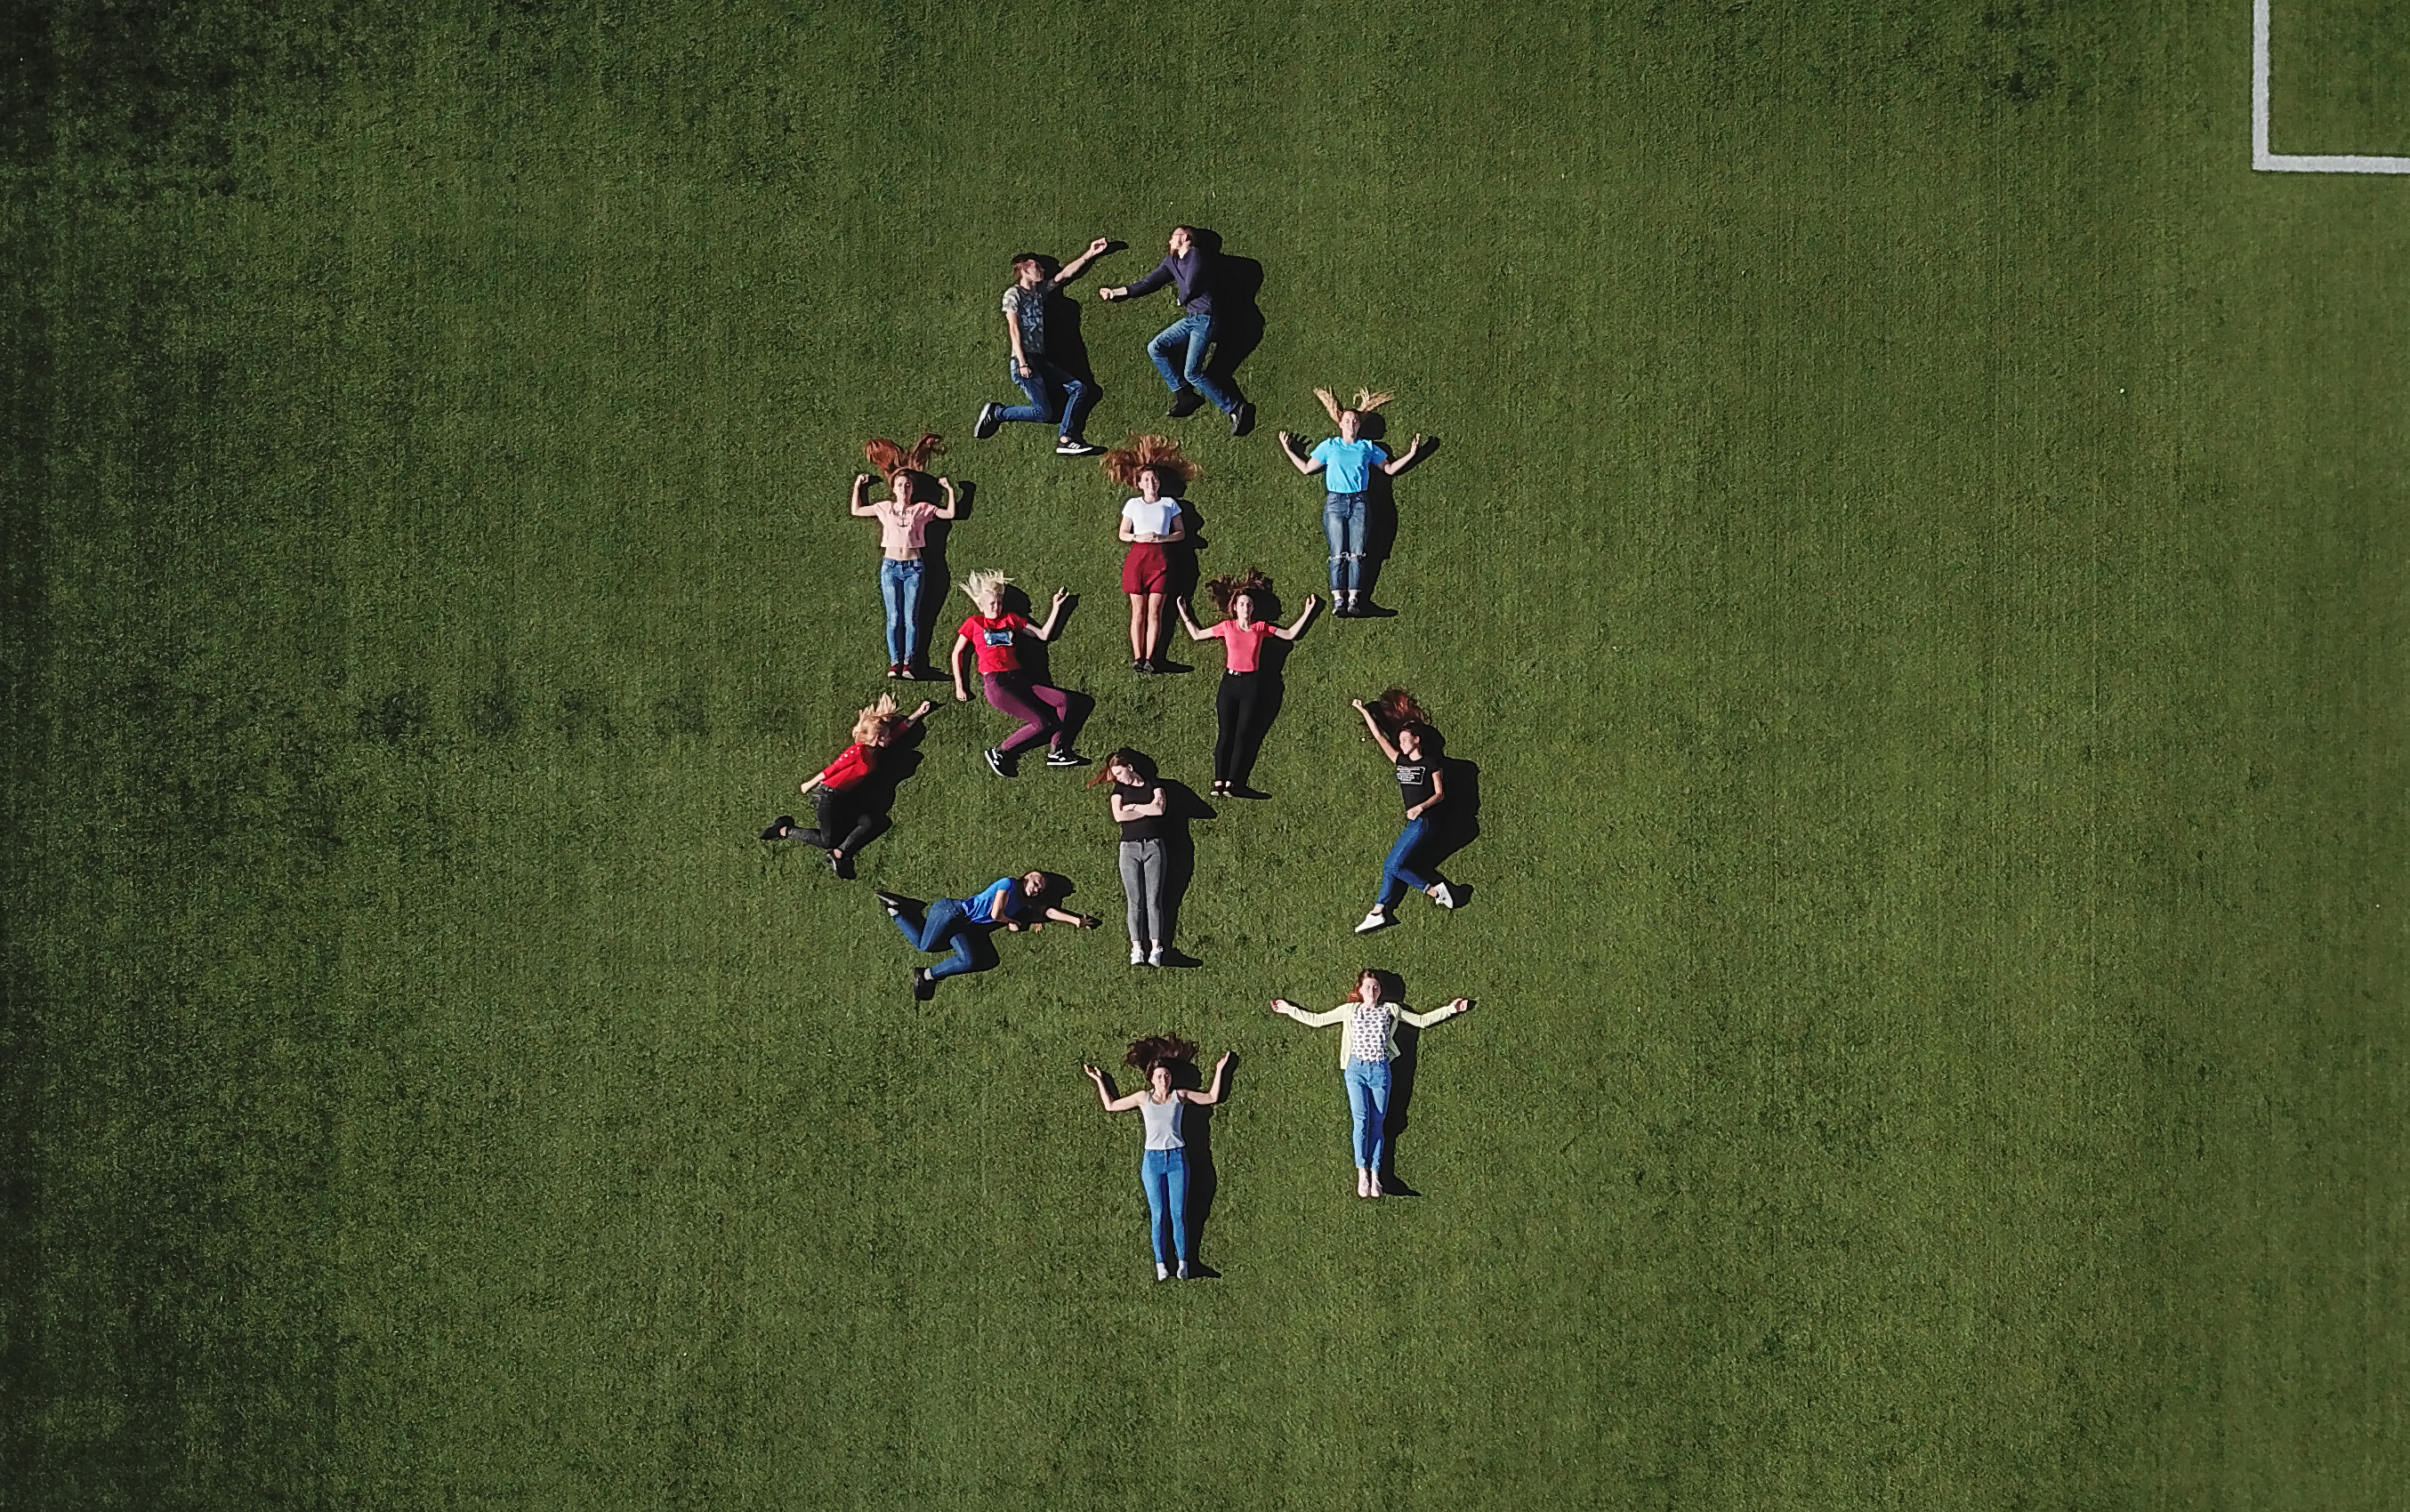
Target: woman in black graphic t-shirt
point(1142, 809)
point(1423, 788)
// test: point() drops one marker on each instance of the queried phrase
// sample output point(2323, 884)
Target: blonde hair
point(891, 459)
point(986, 586)
point(875, 719)
point(1367, 400)
point(1158, 455)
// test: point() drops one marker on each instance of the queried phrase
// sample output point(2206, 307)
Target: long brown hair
point(1397, 709)
point(1159, 454)
point(1154, 1050)
point(891, 459)
point(1224, 590)
point(1135, 761)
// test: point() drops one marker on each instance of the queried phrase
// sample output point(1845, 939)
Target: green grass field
point(1916, 556)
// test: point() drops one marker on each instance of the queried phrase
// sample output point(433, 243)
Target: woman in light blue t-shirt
point(1164, 1173)
point(1348, 459)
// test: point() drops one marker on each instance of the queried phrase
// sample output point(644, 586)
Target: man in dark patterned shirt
point(1055, 393)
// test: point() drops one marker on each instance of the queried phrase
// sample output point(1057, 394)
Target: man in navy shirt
point(1190, 270)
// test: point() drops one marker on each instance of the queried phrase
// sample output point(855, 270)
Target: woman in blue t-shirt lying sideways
point(952, 924)
point(1164, 1172)
point(1349, 460)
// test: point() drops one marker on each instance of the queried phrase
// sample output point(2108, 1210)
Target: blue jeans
point(1344, 517)
point(1398, 873)
point(1053, 393)
point(1368, 1108)
point(945, 926)
point(899, 589)
point(1192, 332)
point(1165, 1177)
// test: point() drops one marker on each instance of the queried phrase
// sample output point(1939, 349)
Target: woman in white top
point(1152, 523)
point(1164, 1172)
point(902, 531)
point(1365, 1051)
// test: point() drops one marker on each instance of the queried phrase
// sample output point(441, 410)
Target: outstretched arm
point(862, 505)
point(1079, 264)
point(1297, 459)
point(1405, 459)
point(1221, 1079)
point(1189, 621)
point(1111, 1103)
point(1157, 280)
point(1289, 1010)
point(946, 510)
point(1298, 627)
point(1053, 613)
point(1373, 723)
point(1077, 921)
point(1462, 1006)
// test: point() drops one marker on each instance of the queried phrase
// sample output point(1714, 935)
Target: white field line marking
point(2267, 161)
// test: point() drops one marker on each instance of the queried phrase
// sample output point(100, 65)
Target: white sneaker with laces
point(1154, 957)
point(1138, 955)
point(1162, 1271)
point(1377, 919)
point(1441, 895)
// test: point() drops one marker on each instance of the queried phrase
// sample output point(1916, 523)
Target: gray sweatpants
point(1142, 882)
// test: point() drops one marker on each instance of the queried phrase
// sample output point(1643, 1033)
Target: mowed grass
point(1915, 557)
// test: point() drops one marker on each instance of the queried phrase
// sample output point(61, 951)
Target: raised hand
point(1062, 596)
point(1099, 247)
point(923, 711)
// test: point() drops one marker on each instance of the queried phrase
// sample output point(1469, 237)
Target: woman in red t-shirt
point(1153, 524)
point(1250, 691)
point(997, 637)
point(842, 823)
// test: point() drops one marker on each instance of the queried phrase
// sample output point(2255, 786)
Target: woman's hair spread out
point(1157, 1050)
point(876, 720)
point(1398, 710)
point(1226, 590)
point(1159, 454)
point(1134, 760)
point(891, 459)
point(1366, 402)
point(984, 585)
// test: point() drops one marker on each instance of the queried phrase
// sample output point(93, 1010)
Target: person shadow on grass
point(1381, 517)
point(935, 575)
point(1238, 310)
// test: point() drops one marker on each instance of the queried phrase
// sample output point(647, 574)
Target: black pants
point(1241, 707)
point(843, 826)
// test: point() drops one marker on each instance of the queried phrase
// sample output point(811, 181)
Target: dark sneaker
point(987, 424)
point(779, 826)
point(1073, 446)
point(1065, 757)
point(1242, 419)
point(842, 865)
point(893, 902)
point(1185, 403)
point(995, 761)
point(924, 986)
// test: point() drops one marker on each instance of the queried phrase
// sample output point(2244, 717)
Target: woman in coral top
point(842, 822)
point(902, 531)
point(1250, 690)
point(997, 637)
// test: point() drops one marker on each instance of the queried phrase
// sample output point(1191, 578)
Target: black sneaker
point(987, 423)
point(842, 865)
point(1185, 403)
point(1073, 446)
point(1242, 419)
point(893, 902)
point(924, 986)
point(1065, 757)
point(995, 761)
point(779, 828)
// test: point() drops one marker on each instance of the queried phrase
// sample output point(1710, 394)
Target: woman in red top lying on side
point(1250, 691)
point(997, 637)
point(843, 822)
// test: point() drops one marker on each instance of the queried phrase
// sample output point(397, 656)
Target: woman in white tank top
point(1164, 1173)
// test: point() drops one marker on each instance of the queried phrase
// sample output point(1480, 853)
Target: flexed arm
point(1079, 264)
point(1188, 622)
point(1405, 459)
point(1372, 722)
point(861, 504)
point(1221, 1080)
point(1462, 1006)
point(946, 510)
point(1053, 612)
point(1297, 459)
point(1296, 628)
point(1111, 1103)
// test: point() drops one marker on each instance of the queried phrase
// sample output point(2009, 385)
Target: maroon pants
point(1041, 710)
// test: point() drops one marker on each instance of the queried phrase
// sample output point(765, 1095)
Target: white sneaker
point(1377, 919)
point(1162, 1271)
point(1138, 956)
point(1184, 1270)
point(1154, 957)
point(1441, 895)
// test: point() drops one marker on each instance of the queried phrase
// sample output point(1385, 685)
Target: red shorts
point(1147, 569)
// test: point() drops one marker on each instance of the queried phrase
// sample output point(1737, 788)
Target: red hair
point(1158, 455)
point(891, 459)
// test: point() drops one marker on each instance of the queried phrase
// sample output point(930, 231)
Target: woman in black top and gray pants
point(1141, 808)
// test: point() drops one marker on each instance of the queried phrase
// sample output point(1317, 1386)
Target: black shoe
point(1073, 446)
point(1242, 419)
point(779, 828)
point(893, 902)
point(924, 986)
point(995, 761)
point(842, 865)
point(1065, 757)
point(1185, 403)
point(987, 424)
